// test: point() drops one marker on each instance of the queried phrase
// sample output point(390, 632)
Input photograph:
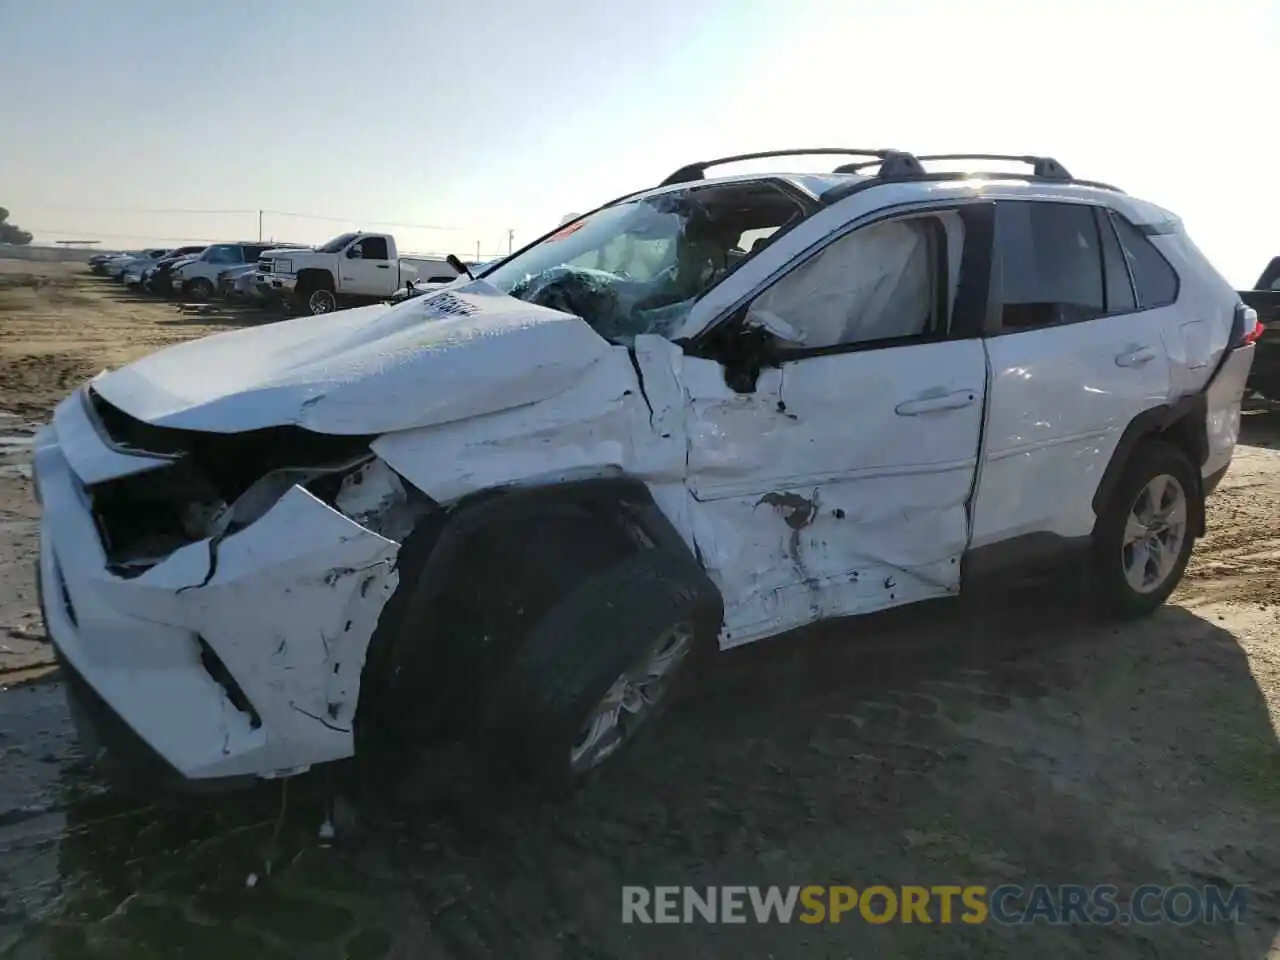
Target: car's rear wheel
point(1143, 540)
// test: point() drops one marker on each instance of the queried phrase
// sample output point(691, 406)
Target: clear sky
point(489, 115)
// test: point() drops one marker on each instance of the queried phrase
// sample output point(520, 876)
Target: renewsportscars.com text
point(1006, 904)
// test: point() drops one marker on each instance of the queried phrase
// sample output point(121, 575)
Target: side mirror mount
point(353, 252)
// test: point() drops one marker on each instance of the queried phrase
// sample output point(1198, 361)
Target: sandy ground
point(997, 741)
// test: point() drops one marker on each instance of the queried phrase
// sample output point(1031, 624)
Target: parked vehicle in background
point(226, 282)
point(519, 509)
point(198, 277)
point(116, 266)
point(156, 277)
point(135, 271)
point(351, 268)
point(1264, 379)
point(98, 262)
point(416, 288)
point(246, 288)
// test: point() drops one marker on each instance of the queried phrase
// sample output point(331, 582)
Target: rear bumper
point(1223, 397)
point(1211, 482)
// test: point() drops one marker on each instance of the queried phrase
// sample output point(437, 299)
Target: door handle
point(384, 266)
point(942, 401)
point(1135, 357)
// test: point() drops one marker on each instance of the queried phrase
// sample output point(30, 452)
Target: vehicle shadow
point(212, 312)
point(207, 312)
point(222, 312)
point(1011, 740)
point(1260, 423)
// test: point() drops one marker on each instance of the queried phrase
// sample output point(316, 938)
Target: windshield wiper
point(458, 265)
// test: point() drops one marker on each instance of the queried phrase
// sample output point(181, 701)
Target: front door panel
point(839, 486)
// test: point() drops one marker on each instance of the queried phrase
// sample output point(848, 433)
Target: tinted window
point(1119, 289)
point(1154, 280)
point(1051, 265)
point(374, 248)
point(222, 253)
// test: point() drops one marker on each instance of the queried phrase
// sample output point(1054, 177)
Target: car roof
point(908, 181)
point(825, 188)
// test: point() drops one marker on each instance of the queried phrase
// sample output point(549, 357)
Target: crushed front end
point(212, 596)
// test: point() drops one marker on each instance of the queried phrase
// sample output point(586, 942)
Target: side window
point(1050, 264)
point(882, 282)
point(374, 248)
point(1119, 288)
point(1155, 282)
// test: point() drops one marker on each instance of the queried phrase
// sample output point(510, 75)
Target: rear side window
point(1120, 298)
point(1050, 264)
point(1154, 281)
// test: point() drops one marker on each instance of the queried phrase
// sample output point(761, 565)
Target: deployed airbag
point(873, 284)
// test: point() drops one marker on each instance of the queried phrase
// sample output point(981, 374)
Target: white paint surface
point(841, 484)
point(371, 370)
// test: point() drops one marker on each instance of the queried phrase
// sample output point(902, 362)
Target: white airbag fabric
point(872, 284)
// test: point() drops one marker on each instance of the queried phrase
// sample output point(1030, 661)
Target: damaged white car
point(701, 415)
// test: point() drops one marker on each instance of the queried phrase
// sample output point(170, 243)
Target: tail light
point(1247, 329)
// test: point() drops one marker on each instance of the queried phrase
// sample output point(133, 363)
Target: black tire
point(309, 285)
point(320, 300)
point(198, 288)
point(1115, 595)
point(571, 658)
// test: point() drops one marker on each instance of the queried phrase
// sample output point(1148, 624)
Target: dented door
point(839, 486)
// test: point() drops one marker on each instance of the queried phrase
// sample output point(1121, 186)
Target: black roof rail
point(893, 163)
point(1042, 168)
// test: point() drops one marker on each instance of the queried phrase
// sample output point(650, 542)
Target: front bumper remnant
point(225, 659)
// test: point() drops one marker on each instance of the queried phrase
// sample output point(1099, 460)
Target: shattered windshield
point(638, 266)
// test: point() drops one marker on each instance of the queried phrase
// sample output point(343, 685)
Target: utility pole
point(259, 226)
point(511, 237)
point(477, 251)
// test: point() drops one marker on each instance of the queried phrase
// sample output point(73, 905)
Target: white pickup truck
point(351, 268)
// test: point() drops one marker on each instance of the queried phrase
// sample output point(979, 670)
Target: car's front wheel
point(321, 301)
point(198, 289)
point(601, 664)
point(1143, 540)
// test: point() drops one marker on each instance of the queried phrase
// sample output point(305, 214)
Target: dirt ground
point(1000, 740)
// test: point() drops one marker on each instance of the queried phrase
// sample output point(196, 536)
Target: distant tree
point(11, 234)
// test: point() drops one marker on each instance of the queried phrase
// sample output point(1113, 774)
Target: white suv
point(703, 414)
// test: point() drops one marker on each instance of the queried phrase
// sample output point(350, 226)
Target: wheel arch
point(593, 522)
point(1181, 424)
point(310, 277)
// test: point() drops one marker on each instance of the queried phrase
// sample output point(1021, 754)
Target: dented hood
point(456, 354)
